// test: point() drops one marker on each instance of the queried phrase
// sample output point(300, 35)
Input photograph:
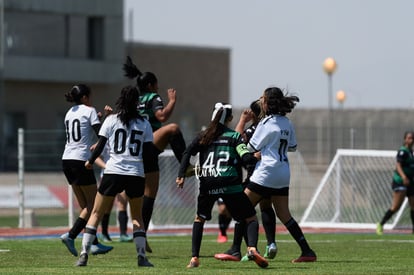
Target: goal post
point(355, 192)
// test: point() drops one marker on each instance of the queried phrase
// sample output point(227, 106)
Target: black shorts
point(410, 190)
point(151, 162)
point(238, 205)
point(396, 187)
point(76, 172)
point(113, 184)
point(267, 192)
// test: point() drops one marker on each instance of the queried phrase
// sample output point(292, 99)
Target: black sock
point(239, 229)
point(123, 221)
point(269, 224)
point(177, 144)
point(252, 229)
point(77, 228)
point(294, 230)
point(147, 208)
point(224, 222)
point(196, 237)
point(412, 218)
point(105, 223)
point(387, 216)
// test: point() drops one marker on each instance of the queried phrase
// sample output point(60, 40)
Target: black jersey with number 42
point(219, 168)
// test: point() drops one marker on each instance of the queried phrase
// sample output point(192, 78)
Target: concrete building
point(50, 45)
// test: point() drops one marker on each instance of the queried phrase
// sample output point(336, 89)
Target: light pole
point(340, 97)
point(329, 66)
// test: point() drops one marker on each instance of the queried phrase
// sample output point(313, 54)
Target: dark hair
point(216, 128)
point(256, 108)
point(143, 79)
point(77, 92)
point(278, 103)
point(408, 133)
point(127, 105)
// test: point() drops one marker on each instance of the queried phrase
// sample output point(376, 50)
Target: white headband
point(219, 106)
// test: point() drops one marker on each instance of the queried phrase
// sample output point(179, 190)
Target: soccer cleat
point(83, 260)
point(306, 257)
point(194, 262)
point(221, 238)
point(143, 261)
point(69, 243)
point(245, 258)
point(257, 258)
point(380, 229)
point(100, 249)
point(104, 237)
point(124, 238)
point(147, 247)
point(229, 255)
point(271, 251)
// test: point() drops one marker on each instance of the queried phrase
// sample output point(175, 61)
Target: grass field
point(337, 254)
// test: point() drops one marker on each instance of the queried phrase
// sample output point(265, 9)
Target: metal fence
point(42, 188)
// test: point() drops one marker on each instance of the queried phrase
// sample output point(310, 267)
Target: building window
point(95, 38)
point(34, 34)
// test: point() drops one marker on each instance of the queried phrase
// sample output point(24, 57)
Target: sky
point(285, 43)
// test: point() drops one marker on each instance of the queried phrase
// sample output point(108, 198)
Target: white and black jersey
point(125, 143)
point(273, 137)
point(79, 132)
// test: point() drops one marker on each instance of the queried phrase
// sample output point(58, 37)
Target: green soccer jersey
point(220, 165)
point(405, 157)
point(149, 103)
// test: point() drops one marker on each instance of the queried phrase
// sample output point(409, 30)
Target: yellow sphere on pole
point(329, 65)
point(340, 96)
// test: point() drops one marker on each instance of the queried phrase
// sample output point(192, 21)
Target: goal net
point(355, 192)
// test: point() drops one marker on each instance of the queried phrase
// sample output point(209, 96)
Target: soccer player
point(221, 154)
point(402, 181)
point(273, 138)
point(82, 124)
point(129, 136)
point(253, 114)
point(121, 202)
point(153, 108)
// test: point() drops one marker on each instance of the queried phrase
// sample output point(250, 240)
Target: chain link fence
point(38, 195)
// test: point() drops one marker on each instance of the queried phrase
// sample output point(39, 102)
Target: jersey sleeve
point(157, 103)
point(191, 150)
point(94, 117)
point(258, 139)
point(105, 129)
point(402, 155)
point(292, 143)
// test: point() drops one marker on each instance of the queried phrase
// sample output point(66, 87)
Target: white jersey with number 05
point(125, 143)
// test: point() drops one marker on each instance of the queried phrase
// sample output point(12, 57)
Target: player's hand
point(108, 110)
point(246, 115)
point(92, 148)
point(88, 165)
point(258, 155)
point(172, 94)
point(180, 182)
point(406, 181)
